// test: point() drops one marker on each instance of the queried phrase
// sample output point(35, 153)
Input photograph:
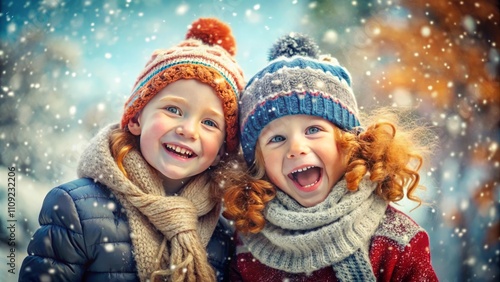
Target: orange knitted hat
point(207, 56)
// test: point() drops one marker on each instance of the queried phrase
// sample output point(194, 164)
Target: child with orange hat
point(148, 200)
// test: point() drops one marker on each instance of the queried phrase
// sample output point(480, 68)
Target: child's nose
point(188, 130)
point(296, 149)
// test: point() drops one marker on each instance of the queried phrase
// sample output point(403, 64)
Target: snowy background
point(67, 67)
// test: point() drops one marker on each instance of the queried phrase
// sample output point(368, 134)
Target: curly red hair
point(391, 155)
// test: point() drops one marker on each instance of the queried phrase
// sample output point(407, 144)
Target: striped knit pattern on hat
point(207, 56)
point(296, 82)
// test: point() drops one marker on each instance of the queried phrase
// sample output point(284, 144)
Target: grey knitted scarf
point(335, 232)
point(153, 216)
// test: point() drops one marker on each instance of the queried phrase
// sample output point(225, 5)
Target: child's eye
point(210, 123)
point(312, 130)
point(174, 110)
point(277, 138)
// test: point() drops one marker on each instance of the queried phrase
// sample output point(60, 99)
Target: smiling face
point(181, 131)
point(301, 157)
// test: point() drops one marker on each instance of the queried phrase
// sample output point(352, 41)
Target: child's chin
point(310, 202)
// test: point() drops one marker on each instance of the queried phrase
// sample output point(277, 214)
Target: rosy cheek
point(159, 125)
point(212, 149)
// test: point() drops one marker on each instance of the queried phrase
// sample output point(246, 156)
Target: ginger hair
point(245, 200)
point(122, 141)
point(390, 154)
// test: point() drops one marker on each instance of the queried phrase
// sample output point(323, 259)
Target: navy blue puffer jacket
point(84, 235)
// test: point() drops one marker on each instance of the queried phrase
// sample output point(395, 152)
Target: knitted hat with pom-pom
point(297, 81)
point(207, 56)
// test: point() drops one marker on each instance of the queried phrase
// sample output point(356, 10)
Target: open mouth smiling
point(306, 177)
point(180, 151)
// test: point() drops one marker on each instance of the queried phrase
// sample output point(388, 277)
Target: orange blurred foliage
point(441, 53)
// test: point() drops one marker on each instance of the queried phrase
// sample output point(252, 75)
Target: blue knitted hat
point(296, 81)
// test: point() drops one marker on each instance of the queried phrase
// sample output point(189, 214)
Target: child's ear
point(134, 127)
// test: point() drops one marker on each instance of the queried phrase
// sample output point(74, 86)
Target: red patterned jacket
point(399, 251)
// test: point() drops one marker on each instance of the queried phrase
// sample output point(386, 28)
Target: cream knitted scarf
point(168, 233)
point(335, 232)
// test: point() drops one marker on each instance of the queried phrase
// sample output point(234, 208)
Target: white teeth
point(309, 185)
point(179, 150)
point(302, 169)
